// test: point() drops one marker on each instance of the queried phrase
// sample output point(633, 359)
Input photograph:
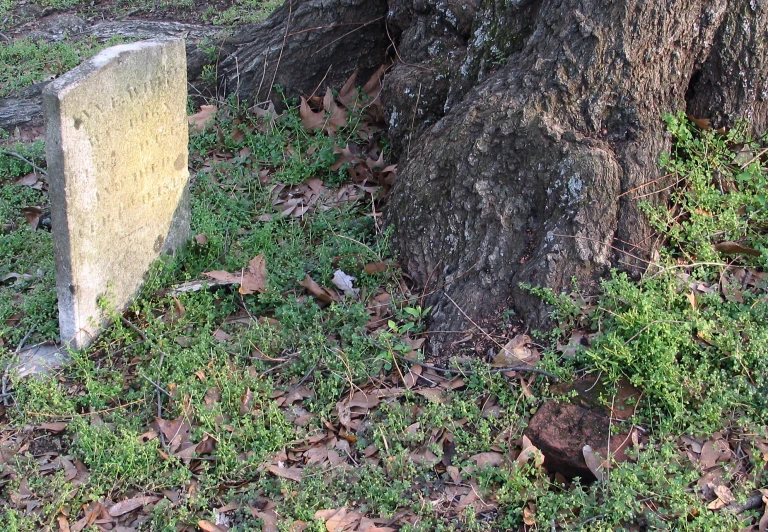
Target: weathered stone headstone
point(116, 145)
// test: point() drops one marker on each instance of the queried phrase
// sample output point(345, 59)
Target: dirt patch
point(25, 18)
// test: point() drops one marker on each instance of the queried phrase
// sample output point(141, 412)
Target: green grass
point(701, 366)
point(27, 300)
point(24, 62)
point(243, 12)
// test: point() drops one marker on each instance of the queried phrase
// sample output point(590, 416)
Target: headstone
point(116, 145)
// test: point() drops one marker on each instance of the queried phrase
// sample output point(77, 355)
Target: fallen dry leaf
point(373, 85)
point(594, 463)
point(199, 120)
point(32, 215)
point(207, 526)
point(344, 282)
point(129, 505)
point(291, 473)
point(63, 523)
point(324, 295)
point(338, 115)
point(310, 119)
point(529, 514)
point(732, 248)
point(28, 180)
point(270, 520)
point(255, 280)
point(376, 267)
point(337, 520)
point(348, 94)
point(529, 451)
point(490, 458)
point(713, 452)
point(763, 525)
point(56, 427)
point(517, 353)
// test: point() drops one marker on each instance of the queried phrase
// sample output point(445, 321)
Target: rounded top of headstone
point(70, 79)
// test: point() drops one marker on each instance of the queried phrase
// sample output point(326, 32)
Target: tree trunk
point(529, 178)
point(525, 130)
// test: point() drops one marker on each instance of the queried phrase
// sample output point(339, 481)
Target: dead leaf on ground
point(63, 523)
point(29, 180)
point(702, 123)
point(310, 119)
point(348, 94)
point(56, 427)
point(529, 514)
point(199, 120)
point(373, 85)
point(345, 283)
point(338, 115)
point(323, 294)
point(713, 452)
point(376, 267)
point(207, 526)
point(529, 451)
point(517, 353)
point(763, 525)
point(32, 215)
point(291, 473)
point(490, 458)
point(270, 519)
point(129, 505)
point(338, 520)
point(594, 462)
point(255, 280)
point(733, 248)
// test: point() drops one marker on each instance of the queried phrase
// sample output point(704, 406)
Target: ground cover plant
point(271, 377)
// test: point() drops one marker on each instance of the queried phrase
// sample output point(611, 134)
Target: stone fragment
point(40, 359)
point(116, 145)
point(561, 429)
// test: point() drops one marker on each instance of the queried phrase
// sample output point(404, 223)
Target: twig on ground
point(7, 373)
point(654, 322)
point(413, 119)
point(304, 378)
point(491, 338)
point(362, 25)
point(135, 329)
point(19, 156)
point(157, 386)
point(280, 56)
point(648, 262)
point(690, 265)
point(471, 372)
point(159, 389)
point(754, 501)
point(753, 159)
point(84, 414)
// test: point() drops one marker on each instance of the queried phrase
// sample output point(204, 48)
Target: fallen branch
point(19, 156)
point(470, 372)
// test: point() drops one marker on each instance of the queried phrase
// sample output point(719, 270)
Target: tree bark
point(529, 178)
point(526, 129)
point(304, 47)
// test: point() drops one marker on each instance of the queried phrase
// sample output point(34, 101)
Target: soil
point(30, 16)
